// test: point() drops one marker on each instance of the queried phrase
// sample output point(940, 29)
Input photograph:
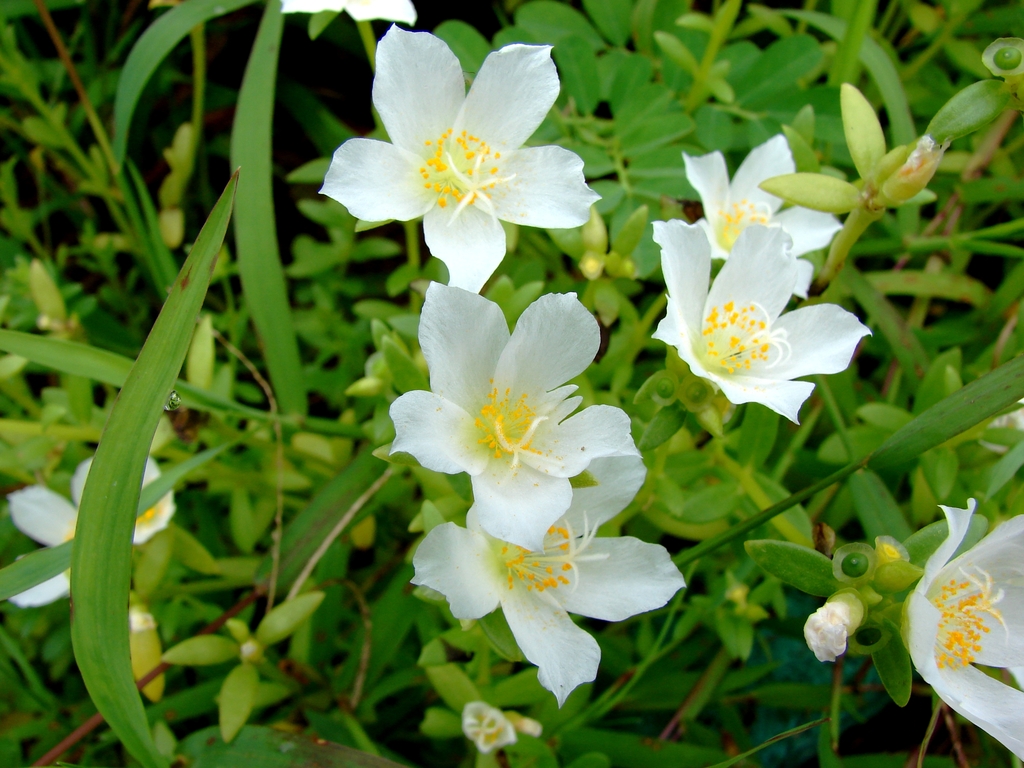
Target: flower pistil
point(736, 337)
point(464, 169)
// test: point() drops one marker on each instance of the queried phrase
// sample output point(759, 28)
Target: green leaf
point(551, 22)
point(452, 685)
point(969, 110)
point(892, 662)
point(468, 45)
point(496, 627)
point(876, 508)
point(662, 426)
point(259, 260)
point(815, 191)
point(34, 568)
point(1004, 469)
point(977, 401)
point(806, 569)
point(577, 66)
point(152, 48)
point(635, 751)
point(674, 48)
point(287, 617)
point(261, 747)
point(202, 650)
point(612, 17)
point(923, 544)
point(403, 370)
point(102, 552)
point(236, 699)
point(940, 285)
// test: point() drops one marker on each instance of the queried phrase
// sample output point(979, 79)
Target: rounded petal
point(43, 515)
point(518, 505)
point(548, 189)
point(708, 175)
point(618, 480)
point(377, 181)
point(686, 264)
point(809, 229)
point(773, 158)
point(418, 88)
point(783, 397)
point(311, 6)
point(510, 96)
point(567, 449)
point(48, 592)
point(555, 340)
point(390, 10)
point(761, 268)
point(471, 244)
point(632, 577)
point(460, 564)
point(822, 339)
point(804, 275)
point(566, 655)
point(438, 433)
point(957, 520)
point(462, 335)
point(78, 481)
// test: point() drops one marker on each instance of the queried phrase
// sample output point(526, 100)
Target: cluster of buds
point(676, 383)
point(589, 244)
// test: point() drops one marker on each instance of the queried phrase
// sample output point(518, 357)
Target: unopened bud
point(172, 226)
point(487, 726)
point(828, 629)
point(144, 646)
point(595, 233)
point(1005, 57)
point(592, 265)
point(916, 172)
point(970, 109)
point(46, 295)
point(526, 725)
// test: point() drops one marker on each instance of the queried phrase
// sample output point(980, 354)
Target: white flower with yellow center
point(457, 159)
point(571, 572)
point(735, 335)
point(968, 611)
point(50, 519)
point(360, 10)
point(487, 726)
point(729, 208)
point(498, 409)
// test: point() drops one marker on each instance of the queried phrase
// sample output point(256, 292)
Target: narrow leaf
point(34, 568)
point(806, 569)
point(892, 662)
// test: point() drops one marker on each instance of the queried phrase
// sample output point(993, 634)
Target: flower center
point(966, 605)
point(508, 425)
point(734, 218)
point(550, 569)
point(737, 337)
point(463, 171)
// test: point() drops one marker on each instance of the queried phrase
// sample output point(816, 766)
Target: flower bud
point(287, 617)
point(916, 172)
point(172, 226)
point(526, 725)
point(1005, 57)
point(595, 233)
point(815, 191)
point(487, 726)
point(46, 295)
point(854, 563)
point(201, 650)
point(970, 109)
point(144, 644)
point(827, 629)
point(199, 363)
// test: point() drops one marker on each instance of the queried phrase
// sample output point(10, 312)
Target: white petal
point(635, 577)
point(760, 268)
point(957, 520)
point(809, 229)
point(438, 433)
point(804, 275)
point(377, 181)
point(518, 505)
point(311, 6)
point(567, 449)
point(460, 564)
point(471, 244)
point(390, 10)
point(619, 478)
point(149, 525)
point(686, 264)
point(823, 338)
point(717, 251)
point(42, 515)
point(78, 481)
point(462, 335)
point(773, 158)
point(48, 592)
point(566, 655)
point(510, 96)
point(418, 88)
point(783, 397)
point(555, 339)
point(709, 176)
point(548, 190)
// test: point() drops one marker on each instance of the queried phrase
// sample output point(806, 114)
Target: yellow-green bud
point(864, 136)
point(896, 576)
point(592, 264)
point(815, 191)
point(595, 233)
point(172, 226)
point(202, 650)
point(970, 109)
point(46, 295)
point(145, 649)
point(236, 699)
point(238, 630)
point(199, 364)
point(286, 618)
point(916, 172)
point(1005, 57)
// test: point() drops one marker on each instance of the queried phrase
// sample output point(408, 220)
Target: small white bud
point(140, 620)
point(487, 726)
point(526, 725)
point(827, 629)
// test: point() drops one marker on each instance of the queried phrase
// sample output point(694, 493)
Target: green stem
point(835, 414)
point(846, 66)
point(369, 42)
point(745, 477)
point(854, 226)
point(836, 703)
point(724, 19)
point(198, 37)
point(801, 437)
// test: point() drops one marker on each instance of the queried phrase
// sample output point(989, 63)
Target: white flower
point(828, 629)
point(967, 611)
point(456, 159)
point(729, 208)
point(360, 10)
point(487, 726)
point(48, 518)
point(603, 578)
point(498, 410)
point(733, 335)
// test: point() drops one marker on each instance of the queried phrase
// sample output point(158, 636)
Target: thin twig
point(954, 734)
point(307, 569)
point(275, 537)
point(364, 653)
point(89, 725)
point(76, 81)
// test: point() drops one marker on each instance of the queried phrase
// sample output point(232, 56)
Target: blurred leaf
point(769, 742)
point(551, 22)
point(612, 17)
point(634, 751)
point(923, 544)
point(577, 66)
point(101, 556)
point(892, 662)
point(939, 285)
point(800, 567)
point(468, 45)
point(1004, 469)
point(876, 508)
point(259, 747)
point(34, 568)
